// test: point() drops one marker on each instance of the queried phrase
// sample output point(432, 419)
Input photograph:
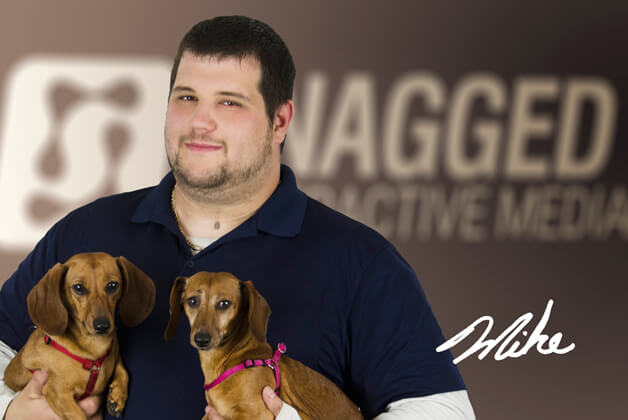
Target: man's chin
point(203, 181)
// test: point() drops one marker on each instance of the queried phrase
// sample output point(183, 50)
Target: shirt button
point(190, 264)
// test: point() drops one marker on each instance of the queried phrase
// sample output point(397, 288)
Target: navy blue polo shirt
point(342, 298)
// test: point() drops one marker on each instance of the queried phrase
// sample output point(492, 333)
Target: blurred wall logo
point(74, 129)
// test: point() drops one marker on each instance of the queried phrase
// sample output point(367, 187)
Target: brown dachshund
point(228, 320)
point(73, 307)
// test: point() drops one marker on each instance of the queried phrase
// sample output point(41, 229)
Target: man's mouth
point(202, 147)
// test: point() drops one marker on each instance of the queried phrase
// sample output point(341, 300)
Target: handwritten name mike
point(507, 347)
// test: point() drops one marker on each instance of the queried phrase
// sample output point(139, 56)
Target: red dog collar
point(271, 363)
point(92, 365)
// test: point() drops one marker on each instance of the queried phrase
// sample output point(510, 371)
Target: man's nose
point(204, 117)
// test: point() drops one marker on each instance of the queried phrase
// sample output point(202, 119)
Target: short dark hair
point(241, 36)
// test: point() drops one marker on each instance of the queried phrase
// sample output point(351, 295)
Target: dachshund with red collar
point(73, 307)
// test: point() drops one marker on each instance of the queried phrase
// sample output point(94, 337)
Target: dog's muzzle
point(101, 325)
point(202, 339)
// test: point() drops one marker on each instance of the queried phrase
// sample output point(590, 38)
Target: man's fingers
point(212, 414)
point(34, 391)
point(273, 403)
point(35, 386)
point(91, 405)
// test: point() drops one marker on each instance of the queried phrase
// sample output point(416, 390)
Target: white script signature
point(506, 338)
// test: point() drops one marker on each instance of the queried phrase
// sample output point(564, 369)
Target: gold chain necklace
point(193, 246)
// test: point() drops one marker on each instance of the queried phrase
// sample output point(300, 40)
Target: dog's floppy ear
point(45, 302)
point(259, 311)
point(138, 295)
point(175, 307)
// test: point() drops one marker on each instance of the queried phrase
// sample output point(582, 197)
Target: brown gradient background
point(504, 279)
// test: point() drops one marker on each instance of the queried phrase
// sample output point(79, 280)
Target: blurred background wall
point(485, 139)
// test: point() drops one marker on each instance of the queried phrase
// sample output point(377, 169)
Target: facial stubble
point(228, 183)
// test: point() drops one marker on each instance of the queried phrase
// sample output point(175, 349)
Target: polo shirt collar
point(281, 215)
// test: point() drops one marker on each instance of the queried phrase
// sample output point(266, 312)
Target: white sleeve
point(6, 394)
point(287, 412)
point(445, 406)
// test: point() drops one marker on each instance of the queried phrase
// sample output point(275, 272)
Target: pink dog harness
point(271, 363)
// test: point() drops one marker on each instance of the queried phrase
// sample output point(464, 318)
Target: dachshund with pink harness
point(228, 320)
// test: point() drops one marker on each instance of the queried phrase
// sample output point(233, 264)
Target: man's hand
point(272, 401)
point(30, 403)
point(280, 410)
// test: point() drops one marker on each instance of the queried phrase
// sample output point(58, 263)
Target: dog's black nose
point(101, 325)
point(202, 339)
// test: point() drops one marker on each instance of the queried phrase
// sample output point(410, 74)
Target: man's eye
point(230, 103)
point(187, 98)
point(79, 289)
point(192, 302)
point(112, 287)
point(223, 304)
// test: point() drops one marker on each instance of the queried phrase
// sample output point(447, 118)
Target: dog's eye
point(192, 302)
point(79, 289)
point(223, 304)
point(112, 287)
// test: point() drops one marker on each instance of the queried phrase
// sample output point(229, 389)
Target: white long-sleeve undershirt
point(446, 406)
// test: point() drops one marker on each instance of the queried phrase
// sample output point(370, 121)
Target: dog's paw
point(111, 409)
point(116, 401)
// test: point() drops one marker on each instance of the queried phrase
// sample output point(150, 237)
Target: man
point(341, 297)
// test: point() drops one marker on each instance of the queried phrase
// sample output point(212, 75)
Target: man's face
point(217, 133)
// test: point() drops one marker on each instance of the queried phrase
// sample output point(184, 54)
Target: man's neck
point(200, 217)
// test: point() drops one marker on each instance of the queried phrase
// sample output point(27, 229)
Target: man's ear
point(45, 302)
point(175, 307)
point(259, 312)
point(281, 121)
